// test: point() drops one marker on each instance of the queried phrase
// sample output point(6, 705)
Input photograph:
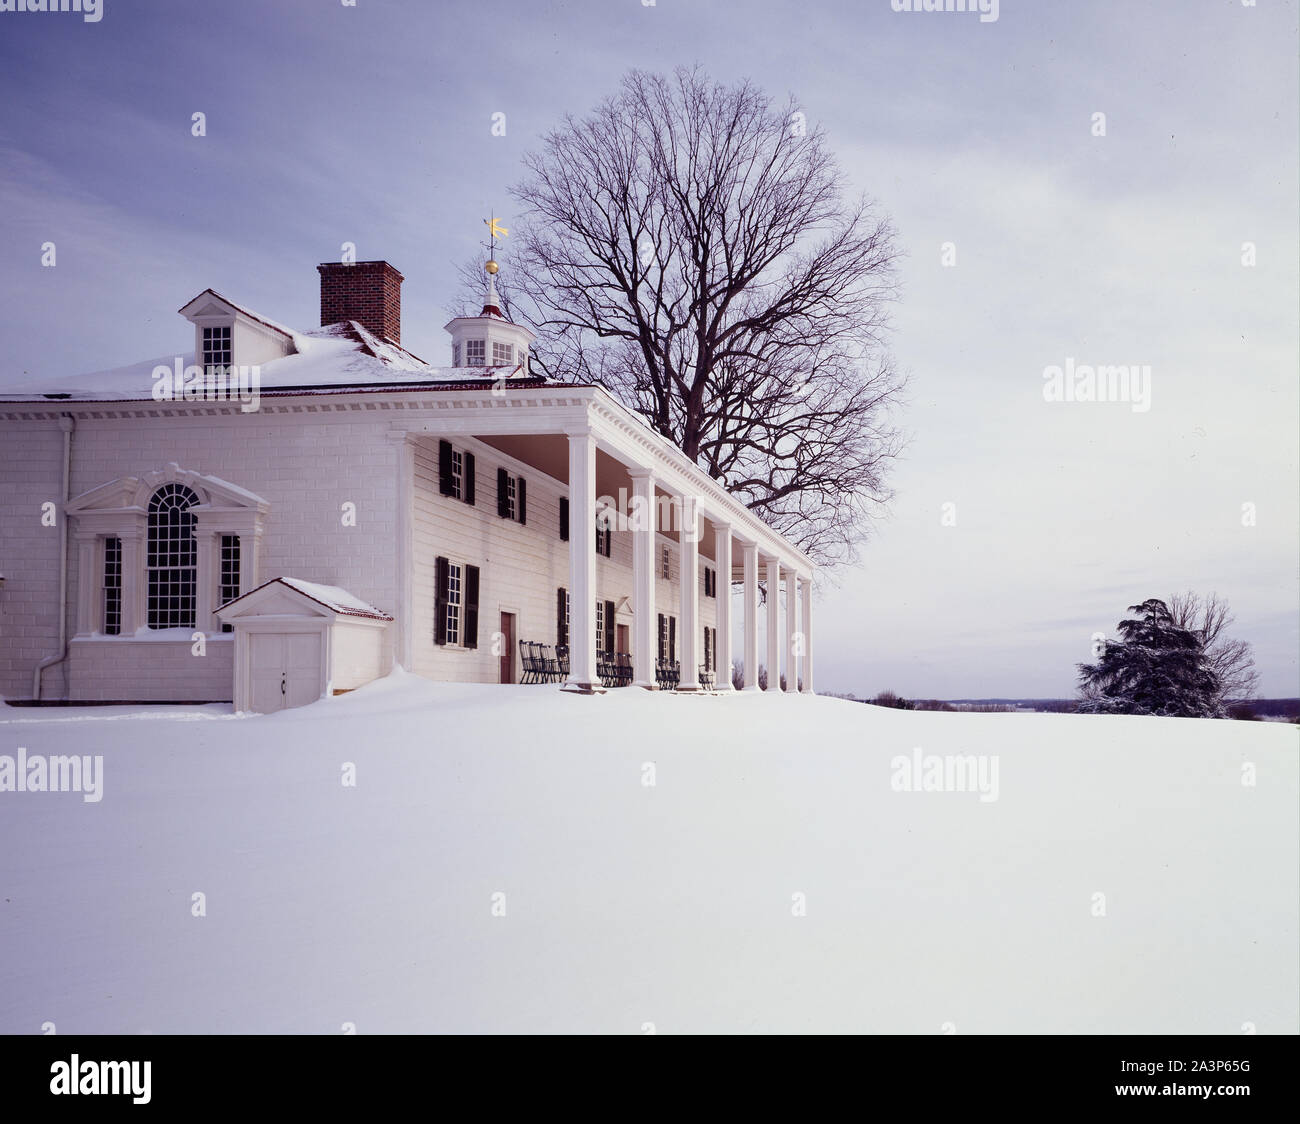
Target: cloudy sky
point(372, 124)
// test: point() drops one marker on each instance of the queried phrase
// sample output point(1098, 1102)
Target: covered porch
point(618, 479)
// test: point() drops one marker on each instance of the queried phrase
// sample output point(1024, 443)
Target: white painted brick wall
point(306, 465)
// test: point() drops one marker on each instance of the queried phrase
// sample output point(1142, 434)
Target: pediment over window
point(131, 493)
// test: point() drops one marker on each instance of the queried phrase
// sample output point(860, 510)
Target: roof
point(332, 597)
point(345, 356)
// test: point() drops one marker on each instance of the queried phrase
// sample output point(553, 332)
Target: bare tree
point(1232, 661)
point(688, 246)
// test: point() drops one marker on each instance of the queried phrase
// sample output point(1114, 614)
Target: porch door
point(621, 642)
point(508, 648)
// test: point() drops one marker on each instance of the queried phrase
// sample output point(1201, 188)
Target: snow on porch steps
point(627, 904)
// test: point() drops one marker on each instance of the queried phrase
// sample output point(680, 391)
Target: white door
point(284, 669)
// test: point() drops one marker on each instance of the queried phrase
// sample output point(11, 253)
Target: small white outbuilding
point(297, 641)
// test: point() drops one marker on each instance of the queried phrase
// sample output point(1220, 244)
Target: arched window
point(172, 557)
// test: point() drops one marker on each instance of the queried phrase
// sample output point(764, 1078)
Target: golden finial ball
point(491, 266)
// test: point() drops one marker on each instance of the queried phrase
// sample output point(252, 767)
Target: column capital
point(640, 472)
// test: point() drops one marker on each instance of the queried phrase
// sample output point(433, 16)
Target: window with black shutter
point(446, 482)
point(469, 612)
point(562, 617)
point(663, 636)
point(672, 639)
point(708, 651)
point(564, 519)
point(442, 568)
point(469, 479)
point(511, 496)
point(609, 626)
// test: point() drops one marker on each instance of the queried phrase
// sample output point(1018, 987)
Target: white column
point(643, 578)
point(205, 578)
point(749, 555)
point(791, 632)
point(135, 582)
point(689, 595)
point(773, 625)
point(807, 635)
point(404, 640)
point(722, 555)
point(582, 564)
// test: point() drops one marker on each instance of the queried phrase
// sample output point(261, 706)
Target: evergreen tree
point(1155, 668)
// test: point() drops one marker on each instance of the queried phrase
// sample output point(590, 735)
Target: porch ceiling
point(549, 453)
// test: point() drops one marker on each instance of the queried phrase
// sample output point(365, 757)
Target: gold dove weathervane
point(494, 229)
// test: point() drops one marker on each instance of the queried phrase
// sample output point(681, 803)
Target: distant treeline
point(1245, 710)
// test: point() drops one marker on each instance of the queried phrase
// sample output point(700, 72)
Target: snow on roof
point(336, 598)
point(338, 356)
point(247, 312)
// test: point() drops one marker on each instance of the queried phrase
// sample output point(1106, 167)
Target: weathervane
point(494, 228)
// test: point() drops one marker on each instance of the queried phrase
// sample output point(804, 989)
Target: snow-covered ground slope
point(626, 903)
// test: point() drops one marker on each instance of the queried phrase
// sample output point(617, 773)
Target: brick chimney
point(369, 292)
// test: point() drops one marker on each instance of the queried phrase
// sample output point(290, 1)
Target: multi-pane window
point(457, 473)
point(455, 355)
point(568, 604)
point(708, 649)
point(663, 637)
point(112, 586)
point(171, 557)
point(455, 576)
point(228, 588)
point(666, 564)
point(512, 497)
point(502, 354)
point(600, 626)
point(475, 353)
point(216, 348)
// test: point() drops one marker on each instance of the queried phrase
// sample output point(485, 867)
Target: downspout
point(66, 423)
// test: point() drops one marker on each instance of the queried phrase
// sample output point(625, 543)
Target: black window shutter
point(469, 634)
point(713, 661)
point(672, 639)
point(560, 637)
point(609, 540)
point(707, 663)
point(609, 626)
point(522, 496)
point(503, 497)
point(440, 610)
point(659, 635)
point(445, 483)
point(469, 479)
point(564, 519)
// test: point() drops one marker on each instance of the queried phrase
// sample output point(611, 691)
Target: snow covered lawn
point(771, 879)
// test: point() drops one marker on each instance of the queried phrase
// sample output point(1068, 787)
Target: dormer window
point(476, 353)
point(216, 348)
point(503, 354)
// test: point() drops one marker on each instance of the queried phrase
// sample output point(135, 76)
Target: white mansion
point(347, 508)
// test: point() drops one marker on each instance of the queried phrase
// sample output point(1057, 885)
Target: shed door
point(285, 669)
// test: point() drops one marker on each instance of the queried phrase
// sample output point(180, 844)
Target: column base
point(646, 686)
point(576, 688)
point(685, 689)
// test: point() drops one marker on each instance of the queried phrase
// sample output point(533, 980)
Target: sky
point(1021, 526)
